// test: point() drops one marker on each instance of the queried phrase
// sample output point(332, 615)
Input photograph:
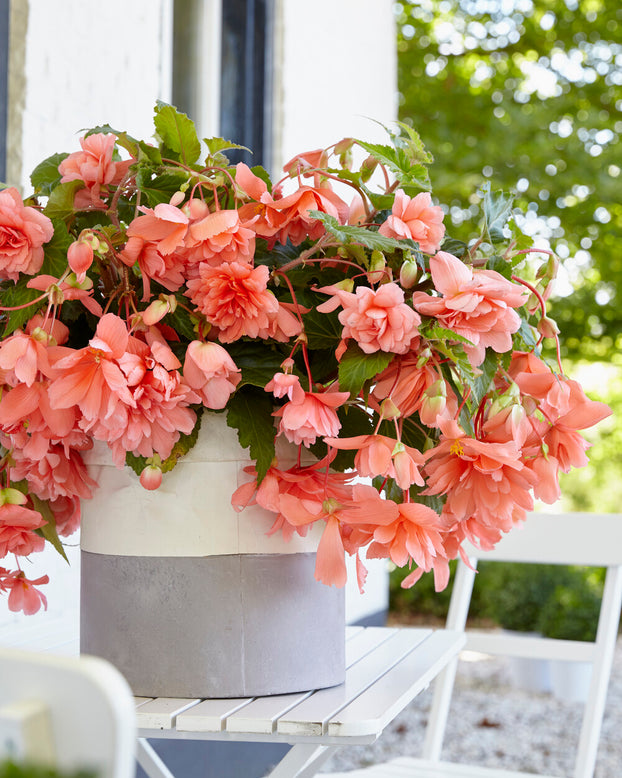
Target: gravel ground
point(495, 724)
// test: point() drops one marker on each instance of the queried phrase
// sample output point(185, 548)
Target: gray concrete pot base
point(220, 626)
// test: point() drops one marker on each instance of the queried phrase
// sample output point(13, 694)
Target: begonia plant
point(145, 283)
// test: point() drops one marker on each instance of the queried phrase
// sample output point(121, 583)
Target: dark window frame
point(246, 78)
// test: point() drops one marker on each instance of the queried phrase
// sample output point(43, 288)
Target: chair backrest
point(571, 538)
point(70, 713)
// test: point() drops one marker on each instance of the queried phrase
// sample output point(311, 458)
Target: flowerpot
point(570, 681)
point(189, 598)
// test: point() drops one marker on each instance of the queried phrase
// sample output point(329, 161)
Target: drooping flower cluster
point(140, 289)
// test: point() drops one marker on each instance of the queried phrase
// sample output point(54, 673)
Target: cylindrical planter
point(189, 598)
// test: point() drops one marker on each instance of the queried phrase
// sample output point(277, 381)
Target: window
point(222, 65)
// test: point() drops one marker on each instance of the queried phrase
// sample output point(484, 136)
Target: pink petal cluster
point(96, 166)
point(476, 304)
point(23, 231)
point(23, 596)
point(306, 418)
point(378, 320)
point(235, 298)
point(417, 219)
point(211, 373)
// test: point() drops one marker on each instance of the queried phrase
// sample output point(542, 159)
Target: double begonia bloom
point(296, 219)
point(476, 304)
point(96, 166)
point(415, 218)
point(377, 320)
point(235, 298)
point(23, 231)
point(211, 372)
point(479, 478)
point(165, 225)
point(303, 420)
point(220, 237)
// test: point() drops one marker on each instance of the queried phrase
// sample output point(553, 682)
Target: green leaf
point(182, 322)
point(432, 331)
point(482, 383)
point(322, 330)
point(178, 132)
point(497, 209)
point(215, 145)
point(250, 413)
point(349, 234)
point(60, 202)
point(160, 188)
point(48, 530)
point(14, 295)
point(46, 176)
point(257, 362)
point(55, 262)
point(356, 367)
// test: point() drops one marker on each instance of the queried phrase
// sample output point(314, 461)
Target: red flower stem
point(543, 308)
point(305, 356)
point(25, 305)
point(462, 404)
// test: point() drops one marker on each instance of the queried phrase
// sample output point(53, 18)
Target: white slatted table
point(386, 669)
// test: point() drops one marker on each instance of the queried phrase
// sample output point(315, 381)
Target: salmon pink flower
point(378, 320)
point(23, 596)
point(416, 534)
point(165, 269)
point(303, 421)
point(221, 237)
point(16, 527)
point(286, 385)
point(69, 289)
point(210, 371)
point(476, 304)
point(23, 231)
point(165, 225)
point(417, 219)
point(96, 166)
point(295, 209)
point(487, 479)
point(234, 297)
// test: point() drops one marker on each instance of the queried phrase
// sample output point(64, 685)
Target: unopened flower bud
point(80, 258)
point(409, 274)
point(389, 409)
point(177, 198)
point(151, 477)
point(547, 327)
point(377, 265)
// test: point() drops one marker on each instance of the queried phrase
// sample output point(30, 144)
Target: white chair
point(572, 538)
point(70, 713)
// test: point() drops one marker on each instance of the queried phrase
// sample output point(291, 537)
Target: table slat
point(312, 715)
point(379, 705)
point(210, 715)
point(161, 713)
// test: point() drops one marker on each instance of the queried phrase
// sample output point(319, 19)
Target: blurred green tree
point(527, 94)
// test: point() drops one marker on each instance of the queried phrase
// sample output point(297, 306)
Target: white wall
point(88, 63)
point(335, 71)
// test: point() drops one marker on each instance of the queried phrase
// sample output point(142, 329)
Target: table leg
point(149, 760)
point(302, 761)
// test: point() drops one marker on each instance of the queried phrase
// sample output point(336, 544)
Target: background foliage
point(527, 94)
